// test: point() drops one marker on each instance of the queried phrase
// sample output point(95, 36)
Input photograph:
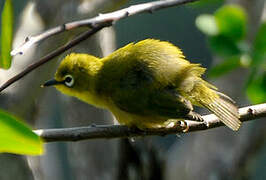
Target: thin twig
point(118, 131)
point(98, 20)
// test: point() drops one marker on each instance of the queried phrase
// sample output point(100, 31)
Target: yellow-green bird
point(145, 85)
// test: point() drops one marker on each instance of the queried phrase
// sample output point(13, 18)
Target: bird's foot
point(197, 117)
point(174, 123)
point(184, 126)
point(194, 116)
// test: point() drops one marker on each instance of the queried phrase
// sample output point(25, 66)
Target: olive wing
point(139, 92)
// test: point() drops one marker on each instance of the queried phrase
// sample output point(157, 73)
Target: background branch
point(96, 24)
point(118, 131)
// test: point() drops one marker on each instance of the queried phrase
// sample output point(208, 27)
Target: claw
point(184, 126)
point(194, 116)
point(178, 123)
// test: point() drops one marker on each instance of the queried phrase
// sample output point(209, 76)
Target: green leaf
point(6, 34)
point(259, 49)
point(231, 21)
point(256, 90)
point(225, 67)
point(15, 137)
point(224, 46)
point(207, 24)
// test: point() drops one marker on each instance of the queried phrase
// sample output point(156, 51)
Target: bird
point(146, 84)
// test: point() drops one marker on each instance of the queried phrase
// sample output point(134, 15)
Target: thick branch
point(96, 24)
point(116, 131)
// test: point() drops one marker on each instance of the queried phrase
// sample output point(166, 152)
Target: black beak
point(52, 82)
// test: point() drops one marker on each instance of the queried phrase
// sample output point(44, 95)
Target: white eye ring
point(69, 80)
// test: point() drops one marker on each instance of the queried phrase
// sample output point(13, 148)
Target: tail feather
point(224, 108)
point(222, 116)
point(225, 97)
point(202, 93)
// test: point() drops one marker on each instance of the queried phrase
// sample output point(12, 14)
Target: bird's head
point(76, 74)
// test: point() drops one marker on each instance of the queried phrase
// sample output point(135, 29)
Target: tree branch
point(96, 24)
point(118, 131)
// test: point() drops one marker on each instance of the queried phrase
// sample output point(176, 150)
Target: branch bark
point(119, 131)
point(96, 24)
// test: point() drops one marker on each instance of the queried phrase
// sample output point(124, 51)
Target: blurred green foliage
point(207, 24)
point(256, 89)
point(259, 48)
point(6, 34)
point(231, 22)
point(227, 66)
point(226, 30)
point(15, 137)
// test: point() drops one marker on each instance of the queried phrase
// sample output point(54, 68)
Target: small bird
point(145, 85)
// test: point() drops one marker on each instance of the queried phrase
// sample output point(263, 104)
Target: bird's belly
point(133, 120)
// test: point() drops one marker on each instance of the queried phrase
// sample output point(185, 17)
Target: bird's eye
point(69, 80)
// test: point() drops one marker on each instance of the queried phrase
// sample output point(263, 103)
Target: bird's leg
point(191, 115)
